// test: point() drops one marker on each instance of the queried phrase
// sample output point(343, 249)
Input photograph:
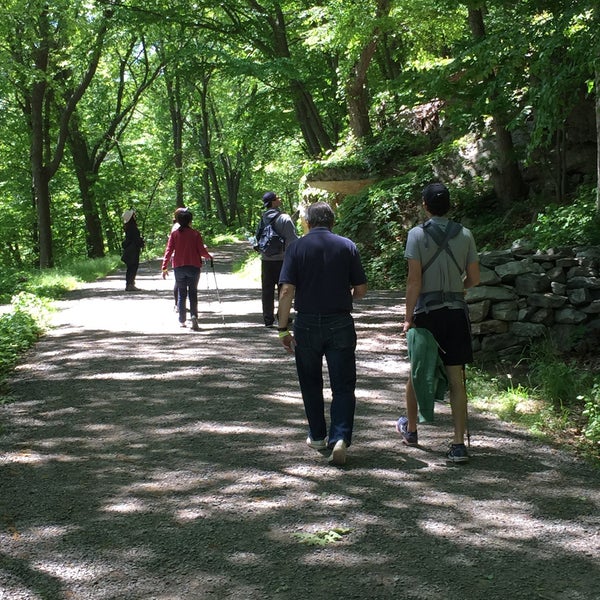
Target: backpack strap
point(442, 238)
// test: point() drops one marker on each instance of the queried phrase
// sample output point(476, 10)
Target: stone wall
point(526, 295)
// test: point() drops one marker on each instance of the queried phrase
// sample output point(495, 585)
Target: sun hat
point(127, 215)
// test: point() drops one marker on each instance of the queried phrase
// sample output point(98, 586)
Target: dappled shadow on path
point(140, 461)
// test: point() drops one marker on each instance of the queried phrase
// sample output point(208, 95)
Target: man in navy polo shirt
point(322, 274)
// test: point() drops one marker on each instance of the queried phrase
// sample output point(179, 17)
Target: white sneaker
point(338, 454)
point(316, 444)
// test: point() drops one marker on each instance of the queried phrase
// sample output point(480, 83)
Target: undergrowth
point(555, 399)
point(20, 327)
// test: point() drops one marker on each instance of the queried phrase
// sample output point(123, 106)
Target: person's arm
point(202, 249)
point(359, 291)
point(413, 289)
point(288, 229)
point(286, 298)
point(473, 275)
point(167, 257)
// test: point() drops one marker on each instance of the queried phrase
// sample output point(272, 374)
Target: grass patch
point(555, 401)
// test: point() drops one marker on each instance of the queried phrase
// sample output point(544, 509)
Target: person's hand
point(289, 343)
point(407, 325)
point(165, 272)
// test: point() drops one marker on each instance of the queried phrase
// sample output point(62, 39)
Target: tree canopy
point(152, 105)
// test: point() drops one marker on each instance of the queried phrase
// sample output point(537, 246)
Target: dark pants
point(186, 279)
point(131, 273)
point(269, 275)
point(334, 337)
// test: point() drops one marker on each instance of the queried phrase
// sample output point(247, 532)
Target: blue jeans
point(334, 337)
point(186, 280)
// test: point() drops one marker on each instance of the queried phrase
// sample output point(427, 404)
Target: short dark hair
point(184, 216)
point(320, 214)
point(437, 199)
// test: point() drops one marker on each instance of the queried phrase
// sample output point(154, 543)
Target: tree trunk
point(506, 175)
point(597, 90)
point(357, 96)
point(175, 110)
point(86, 177)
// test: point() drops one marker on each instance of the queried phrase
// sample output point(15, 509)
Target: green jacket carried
point(427, 370)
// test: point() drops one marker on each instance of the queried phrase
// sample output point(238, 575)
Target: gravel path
point(139, 461)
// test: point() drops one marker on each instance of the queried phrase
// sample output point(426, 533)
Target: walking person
point(322, 274)
point(132, 246)
point(185, 250)
point(271, 264)
point(439, 272)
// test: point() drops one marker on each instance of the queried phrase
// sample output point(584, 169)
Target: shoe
point(132, 288)
point(457, 453)
point(316, 444)
point(409, 438)
point(195, 324)
point(182, 324)
point(338, 454)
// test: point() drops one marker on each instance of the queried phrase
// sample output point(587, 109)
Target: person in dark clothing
point(271, 265)
point(186, 249)
point(322, 274)
point(132, 246)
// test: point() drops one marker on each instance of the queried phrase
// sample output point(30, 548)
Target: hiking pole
point(212, 265)
point(468, 432)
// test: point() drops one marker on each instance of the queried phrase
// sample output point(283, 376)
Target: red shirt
point(185, 248)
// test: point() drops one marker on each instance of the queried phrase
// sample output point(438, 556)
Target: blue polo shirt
point(323, 266)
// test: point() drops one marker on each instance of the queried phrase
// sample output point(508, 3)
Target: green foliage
point(591, 413)
point(571, 224)
point(323, 538)
point(53, 283)
point(19, 330)
point(546, 394)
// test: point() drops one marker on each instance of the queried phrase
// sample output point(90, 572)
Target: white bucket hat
point(127, 215)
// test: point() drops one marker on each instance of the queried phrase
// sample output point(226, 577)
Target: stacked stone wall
point(527, 295)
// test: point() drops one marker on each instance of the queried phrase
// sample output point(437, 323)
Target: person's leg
point(130, 275)
point(458, 401)
point(412, 412)
point(181, 283)
point(193, 278)
point(309, 366)
point(340, 347)
point(270, 270)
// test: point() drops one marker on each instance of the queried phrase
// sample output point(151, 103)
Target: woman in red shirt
point(185, 250)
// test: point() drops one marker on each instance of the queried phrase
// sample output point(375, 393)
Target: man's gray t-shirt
point(442, 275)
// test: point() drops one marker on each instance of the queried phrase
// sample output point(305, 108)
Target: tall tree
point(506, 173)
point(55, 48)
point(128, 72)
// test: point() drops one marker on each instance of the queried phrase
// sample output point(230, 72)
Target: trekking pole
point(468, 432)
point(208, 289)
point(212, 265)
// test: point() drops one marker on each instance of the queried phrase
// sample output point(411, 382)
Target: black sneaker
point(457, 453)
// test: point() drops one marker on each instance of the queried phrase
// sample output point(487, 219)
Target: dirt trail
point(139, 461)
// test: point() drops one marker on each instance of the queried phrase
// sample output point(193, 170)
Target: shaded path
point(139, 461)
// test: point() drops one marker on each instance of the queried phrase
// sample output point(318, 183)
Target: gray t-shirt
point(442, 275)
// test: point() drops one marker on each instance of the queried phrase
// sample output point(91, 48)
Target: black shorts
point(452, 330)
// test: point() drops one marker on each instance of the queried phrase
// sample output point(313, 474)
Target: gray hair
point(320, 214)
